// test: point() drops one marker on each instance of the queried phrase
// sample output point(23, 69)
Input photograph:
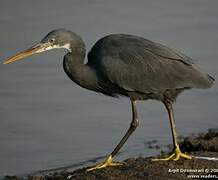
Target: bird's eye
point(52, 40)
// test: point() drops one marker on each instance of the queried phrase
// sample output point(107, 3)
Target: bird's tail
point(203, 80)
point(207, 81)
point(211, 80)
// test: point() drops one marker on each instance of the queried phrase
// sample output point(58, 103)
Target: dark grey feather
point(136, 64)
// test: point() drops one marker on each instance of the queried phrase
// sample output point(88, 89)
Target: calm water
point(47, 121)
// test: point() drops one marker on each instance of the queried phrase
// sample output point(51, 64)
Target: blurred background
point(47, 121)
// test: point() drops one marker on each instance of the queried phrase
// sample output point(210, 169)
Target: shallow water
point(47, 121)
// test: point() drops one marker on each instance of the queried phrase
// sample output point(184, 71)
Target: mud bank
point(202, 145)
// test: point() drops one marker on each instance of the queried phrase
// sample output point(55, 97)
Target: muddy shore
point(140, 168)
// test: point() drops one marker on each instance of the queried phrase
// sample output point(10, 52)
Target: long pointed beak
point(38, 48)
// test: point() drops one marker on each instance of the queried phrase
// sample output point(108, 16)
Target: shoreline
point(204, 147)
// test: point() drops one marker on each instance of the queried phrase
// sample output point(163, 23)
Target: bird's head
point(59, 38)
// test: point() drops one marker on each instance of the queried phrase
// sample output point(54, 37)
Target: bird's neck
point(77, 71)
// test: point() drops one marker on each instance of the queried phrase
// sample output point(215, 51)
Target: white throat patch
point(66, 46)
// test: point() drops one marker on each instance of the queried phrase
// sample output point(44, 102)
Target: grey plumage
point(126, 65)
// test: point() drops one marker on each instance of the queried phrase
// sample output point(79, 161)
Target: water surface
point(47, 121)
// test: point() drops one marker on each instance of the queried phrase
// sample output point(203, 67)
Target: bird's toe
point(175, 156)
point(106, 163)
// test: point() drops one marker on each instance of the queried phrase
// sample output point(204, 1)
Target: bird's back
point(139, 65)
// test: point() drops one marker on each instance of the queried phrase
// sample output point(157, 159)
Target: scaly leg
point(177, 152)
point(109, 160)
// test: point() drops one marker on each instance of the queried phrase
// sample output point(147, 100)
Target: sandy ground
point(204, 145)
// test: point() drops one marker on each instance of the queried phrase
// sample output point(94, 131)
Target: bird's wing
point(144, 71)
point(165, 52)
point(144, 66)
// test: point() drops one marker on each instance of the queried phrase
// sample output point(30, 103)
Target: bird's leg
point(177, 152)
point(109, 160)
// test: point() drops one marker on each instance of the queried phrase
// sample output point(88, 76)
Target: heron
point(123, 65)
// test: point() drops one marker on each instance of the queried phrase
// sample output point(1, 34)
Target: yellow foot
point(106, 163)
point(175, 156)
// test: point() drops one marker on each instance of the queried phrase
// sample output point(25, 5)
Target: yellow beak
point(28, 52)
